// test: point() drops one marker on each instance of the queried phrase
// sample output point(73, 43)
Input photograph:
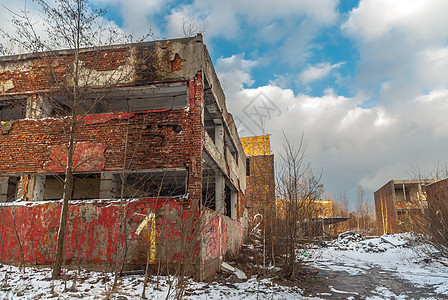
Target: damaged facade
point(154, 143)
point(400, 204)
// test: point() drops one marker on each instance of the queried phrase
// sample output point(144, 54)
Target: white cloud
point(36, 16)
point(12, 7)
point(351, 143)
point(416, 19)
point(138, 16)
point(234, 73)
point(317, 72)
point(402, 42)
point(290, 24)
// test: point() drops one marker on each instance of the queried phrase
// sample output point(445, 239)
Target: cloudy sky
point(365, 81)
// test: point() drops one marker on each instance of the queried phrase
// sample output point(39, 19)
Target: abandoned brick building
point(153, 129)
point(399, 204)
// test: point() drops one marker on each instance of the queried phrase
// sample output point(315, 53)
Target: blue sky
point(365, 81)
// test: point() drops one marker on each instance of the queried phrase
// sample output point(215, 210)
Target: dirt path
point(374, 284)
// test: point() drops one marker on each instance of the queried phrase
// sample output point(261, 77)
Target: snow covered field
point(392, 268)
point(36, 284)
point(350, 268)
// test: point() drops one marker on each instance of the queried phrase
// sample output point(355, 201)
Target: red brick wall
point(41, 74)
point(196, 138)
point(260, 191)
point(26, 148)
point(151, 141)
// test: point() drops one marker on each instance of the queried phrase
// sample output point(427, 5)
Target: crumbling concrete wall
point(220, 236)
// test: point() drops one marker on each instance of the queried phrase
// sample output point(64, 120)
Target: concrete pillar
point(220, 195)
point(25, 187)
point(107, 186)
point(4, 189)
point(219, 137)
point(39, 188)
point(234, 205)
point(38, 106)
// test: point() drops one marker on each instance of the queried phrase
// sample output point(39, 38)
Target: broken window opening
point(85, 186)
point(231, 146)
point(12, 110)
point(119, 185)
point(247, 166)
point(151, 184)
point(121, 100)
point(228, 200)
point(208, 188)
point(209, 125)
point(8, 188)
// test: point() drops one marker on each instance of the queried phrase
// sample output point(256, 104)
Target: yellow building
point(260, 176)
point(256, 145)
point(310, 209)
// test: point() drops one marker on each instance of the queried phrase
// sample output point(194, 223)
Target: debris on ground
point(354, 241)
point(228, 268)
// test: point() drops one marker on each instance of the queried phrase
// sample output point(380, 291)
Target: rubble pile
point(353, 241)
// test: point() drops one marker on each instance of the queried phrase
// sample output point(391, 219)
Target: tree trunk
point(66, 198)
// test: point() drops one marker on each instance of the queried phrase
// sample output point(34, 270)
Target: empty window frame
point(122, 100)
point(85, 186)
point(12, 110)
point(8, 188)
point(152, 184)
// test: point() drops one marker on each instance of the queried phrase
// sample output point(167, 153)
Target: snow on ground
point(32, 283)
point(389, 253)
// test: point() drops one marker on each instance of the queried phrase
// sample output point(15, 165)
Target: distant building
point(260, 180)
point(399, 204)
point(437, 197)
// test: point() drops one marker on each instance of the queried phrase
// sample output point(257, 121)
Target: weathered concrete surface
point(220, 236)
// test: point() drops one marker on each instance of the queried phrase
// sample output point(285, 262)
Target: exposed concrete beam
point(234, 205)
point(220, 196)
point(107, 186)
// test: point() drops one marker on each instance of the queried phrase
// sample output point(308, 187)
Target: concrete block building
point(399, 204)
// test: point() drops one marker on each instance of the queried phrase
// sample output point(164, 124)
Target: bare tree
point(192, 26)
point(298, 190)
point(364, 213)
point(340, 209)
point(432, 227)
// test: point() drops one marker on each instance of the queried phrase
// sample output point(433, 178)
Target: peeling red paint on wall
point(28, 231)
point(220, 235)
point(93, 233)
point(214, 235)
